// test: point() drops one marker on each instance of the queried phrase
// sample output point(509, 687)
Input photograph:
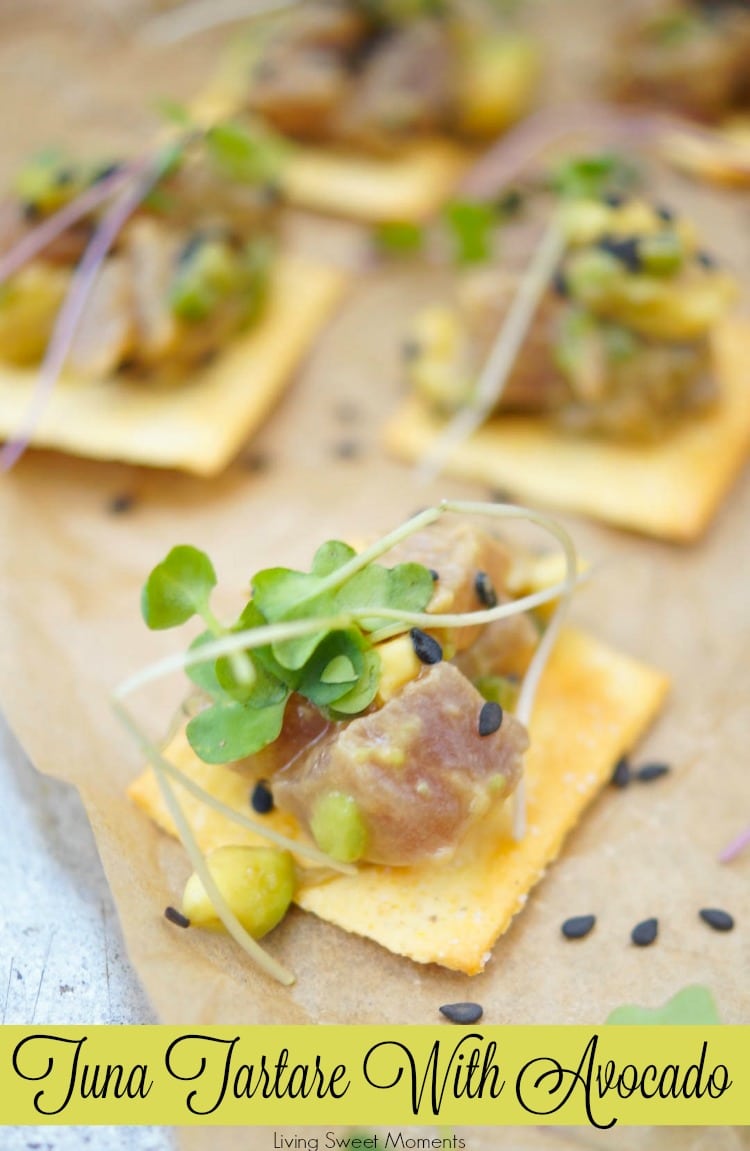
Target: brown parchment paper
point(70, 573)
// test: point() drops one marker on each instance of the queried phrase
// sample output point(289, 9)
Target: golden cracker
point(592, 706)
point(670, 489)
point(196, 425)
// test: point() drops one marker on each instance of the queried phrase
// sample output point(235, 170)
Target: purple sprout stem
point(144, 176)
point(47, 232)
point(739, 844)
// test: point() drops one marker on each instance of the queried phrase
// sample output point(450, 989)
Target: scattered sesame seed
point(716, 918)
point(490, 717)
point(346, 449)
point(614, 200)
point(30, 211)
point(486, 593)
point(426, 647)
point(176, 917)
point(410, 350)
point(120, 504)
point(255, 462)
point(106, 171)
point(706, 260)
point(578, 926)
point(644, 934)
point(261, 798)
point(462, 1012)
point(625, 250)
point(622, 775)
point(651, 771)
point(664, 213)
point(559, 283)
point(435, 575)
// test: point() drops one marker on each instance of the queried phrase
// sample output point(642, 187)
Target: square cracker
point(592, 706)
point(196, 425)
point(409, 186)
point(669, 489)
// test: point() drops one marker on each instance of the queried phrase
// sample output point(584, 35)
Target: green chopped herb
point(594, 176)
point(471, 225)
point(336, 668)
point(399, 238)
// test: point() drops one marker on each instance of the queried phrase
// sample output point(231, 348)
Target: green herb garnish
point(399, 238)
point(692, 1005)
point(594, 176)
point(471, 225)
point(336, 668)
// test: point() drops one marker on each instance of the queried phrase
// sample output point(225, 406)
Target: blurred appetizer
point(610, 376)
point(160, 293)
point(379, 731)
point(384, 97)
point(692, 56)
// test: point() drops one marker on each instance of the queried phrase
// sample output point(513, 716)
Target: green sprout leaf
point(692, 1005)
point(244, 153)
point(594, 176)
point(203, 675)
point(228, 731)
point(471, 225)
point(178, 588)
point(399, 238)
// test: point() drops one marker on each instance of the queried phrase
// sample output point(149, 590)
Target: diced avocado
point(338, 828)
point(496, 83)
point(49, 180)
point(591, 274)
point(203, 280)
point(661, 254)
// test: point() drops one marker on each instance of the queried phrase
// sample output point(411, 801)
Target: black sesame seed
point(462, 1012)
point(261, 799)
point(410, 350)
point(643, 934)
point(64, 177)
point(510, 202)
point(651, 771)
point(490, 717)
point(190, 247)
point(30, 211)
point(664, 213)
point(434, 575)
point(256, 462)
point(426, 647)
point(120, 504)
point(578, 926)
point(560, 284)
point(621, 776)
point(271, 193)
point(716, 918)
point(176, 917)
point(625, 250)
point(106, 171)
point(706, 260)
point(485, 591)
point(346, 449)
point(614, 200)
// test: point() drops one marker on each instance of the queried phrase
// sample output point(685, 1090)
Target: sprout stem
point(503, 354)
point(144, 176)
point(266, 962)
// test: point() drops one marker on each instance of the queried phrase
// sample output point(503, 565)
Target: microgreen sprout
point(508, 342)
point(294, 644)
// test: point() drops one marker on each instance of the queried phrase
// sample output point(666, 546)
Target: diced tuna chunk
point(417, 769)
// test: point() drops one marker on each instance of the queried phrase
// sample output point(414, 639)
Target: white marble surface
point(62, 958)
